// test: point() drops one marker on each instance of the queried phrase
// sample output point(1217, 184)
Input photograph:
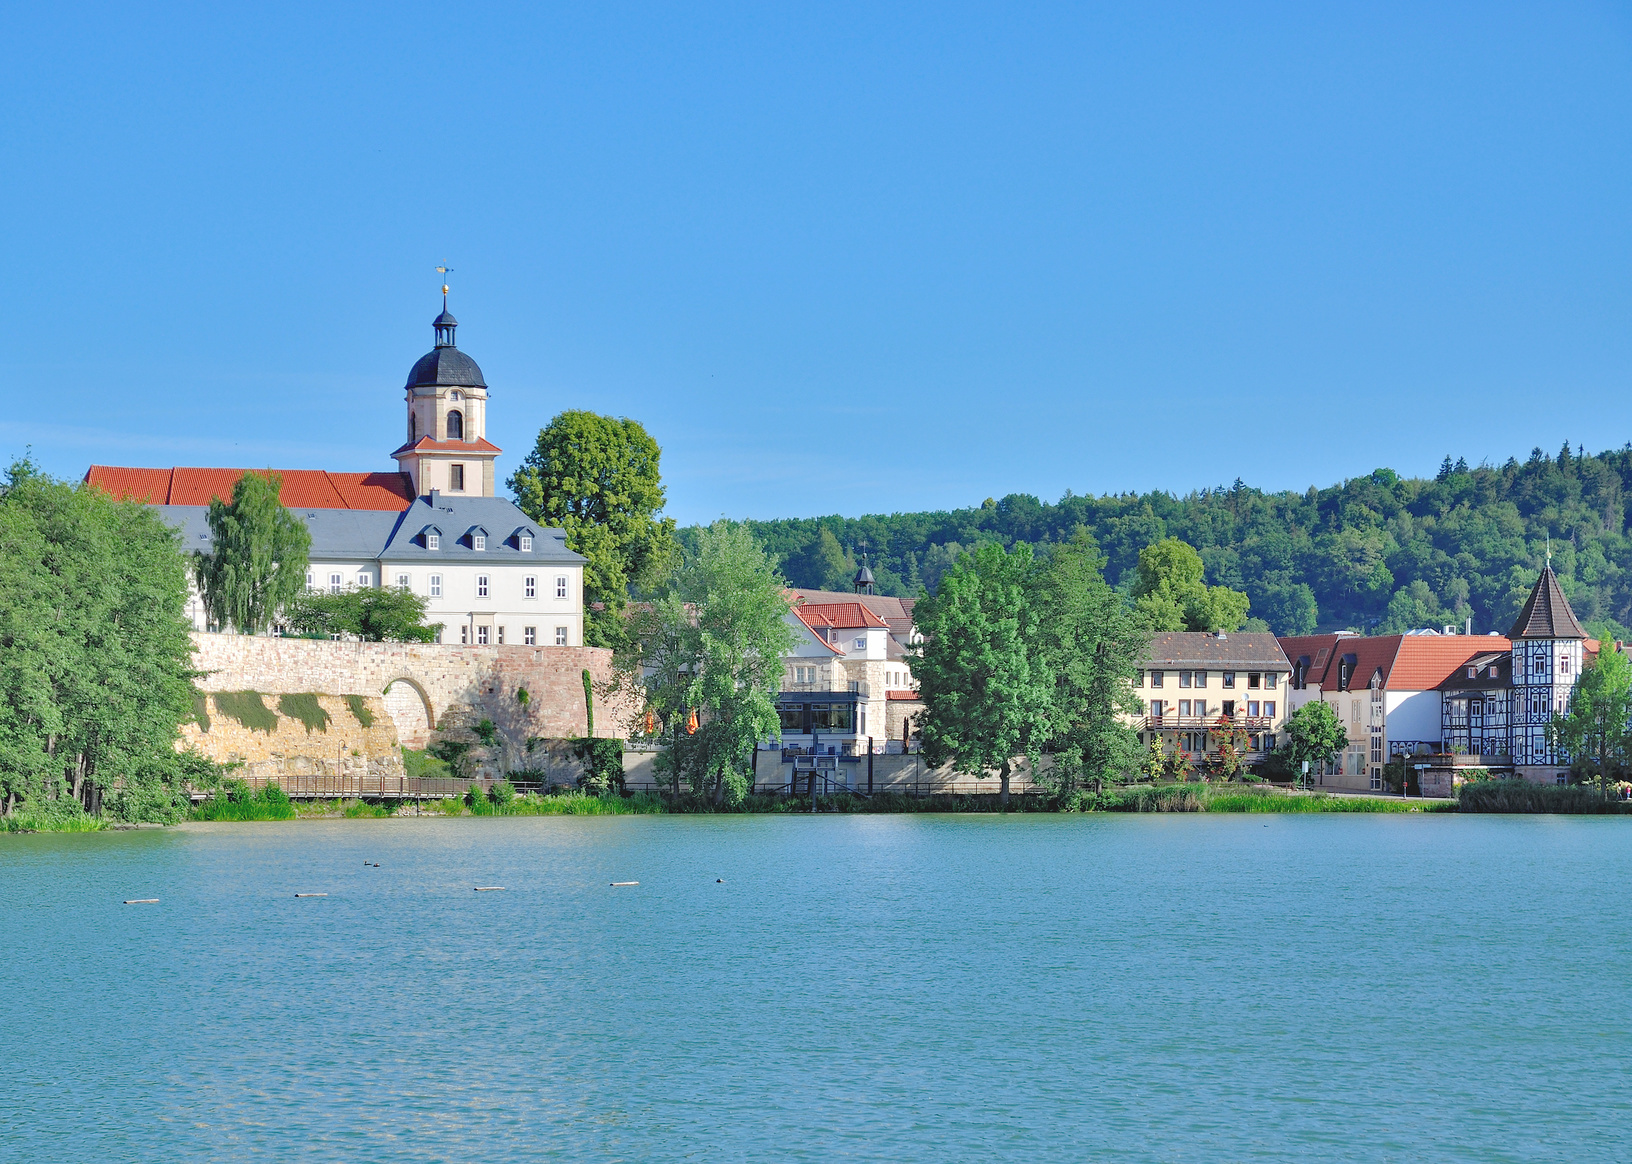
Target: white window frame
point(436, 586)
point(481, 635)
point(336, 583)
point(311, 579)
point(483, 586)
point(499, 630)
point(530, 586)
point(433, 541)
point(561, 586)
point(529, 636)
point(405, 581)
point(526, 543)
point(365, 580)
point(560, 636)
point(478, 542)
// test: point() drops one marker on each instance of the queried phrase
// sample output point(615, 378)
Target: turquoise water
point(1158, 988)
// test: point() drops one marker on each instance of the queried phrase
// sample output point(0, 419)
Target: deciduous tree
point(1170, 594)
point(597, 478)
point(987, 690)
point(1595, 731)
point(1314, 733)
point(1090, 642)
point(257, 556)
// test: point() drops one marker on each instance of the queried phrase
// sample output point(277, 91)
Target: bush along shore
point(235, 800)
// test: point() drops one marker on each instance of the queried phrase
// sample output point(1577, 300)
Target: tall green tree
point(987, 690)
point(257, 557)
point(597, 478)
point(713, 644)
point(1170, 593)
point(95, 656)
point(1314, 733)
point(1595, 732)
point(1091, 642)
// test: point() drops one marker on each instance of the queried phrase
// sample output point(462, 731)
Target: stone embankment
point(408, 690)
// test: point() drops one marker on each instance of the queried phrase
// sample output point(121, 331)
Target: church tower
point(447, 447)
point(1547, 644)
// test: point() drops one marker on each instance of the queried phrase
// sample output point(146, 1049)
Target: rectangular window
point(1229, 679)
point(481, 636)
point(1229, 709)
point(792, 716)
point(334, 584)
point(464, 636)
point(364, 580)
point(433, 541)
point(501, 636)
point(560, 636)
point(1354, 710)
point(529, 636)
point(560, 585)
point(436, 586)
point(1156, 707)
point(481, 586)
point(526, 543)
point(1252, 709)
point(530, 586)
point(404, 582)
point(1269, 680)
point(1184, 707)
point(1376, 779)
point(1156, 678)
point(311, 580)
point(1139, 679)
point(1269, 708)
point(861, 721)
point(1377, 747)
point(478, 541)
point(861, 644)
point(1201, 678)
point(456, 478)
point(1254, 680)
point(439, 634)
point(1184, 678)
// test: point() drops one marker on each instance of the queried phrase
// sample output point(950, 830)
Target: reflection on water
point(882, 988)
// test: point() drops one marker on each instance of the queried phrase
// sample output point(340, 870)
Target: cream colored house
point(1193, 686)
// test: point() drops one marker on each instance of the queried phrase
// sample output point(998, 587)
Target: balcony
point(789, 687)
point(1206, 723)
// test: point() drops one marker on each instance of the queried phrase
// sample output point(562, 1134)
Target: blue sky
point(836, 259)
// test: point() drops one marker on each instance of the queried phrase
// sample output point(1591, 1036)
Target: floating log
point(615, 884)
point(143, 901)
point(489, 888)
point(311, 895)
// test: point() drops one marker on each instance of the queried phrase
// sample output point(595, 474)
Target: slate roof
point(445, 365)
point(345, 535)
point(300, 488)
point(1547, 613)
point(1205, 649)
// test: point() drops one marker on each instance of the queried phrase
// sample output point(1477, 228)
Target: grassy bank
point(51, 817)
point(1523, 797)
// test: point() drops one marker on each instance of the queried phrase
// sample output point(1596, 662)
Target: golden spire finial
point(444, 270)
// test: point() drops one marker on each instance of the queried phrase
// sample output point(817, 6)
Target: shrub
point(417, 763)
point(1515, 795)
point(603, 764)
point(502, 794)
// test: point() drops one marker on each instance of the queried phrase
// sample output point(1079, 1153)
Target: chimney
point(1470, 625)
point(434, 495)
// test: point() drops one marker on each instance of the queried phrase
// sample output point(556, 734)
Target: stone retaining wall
point(425, 683)
point(343, 747)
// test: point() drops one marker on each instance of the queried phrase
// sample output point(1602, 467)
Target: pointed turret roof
point(1547, 613)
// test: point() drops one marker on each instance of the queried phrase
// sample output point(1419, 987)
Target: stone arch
point(410, 710)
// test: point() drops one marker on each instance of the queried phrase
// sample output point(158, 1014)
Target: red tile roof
point(840, 615)
point(904, 696)
point(1408, 662)
point(301, 488)
point(426, 445)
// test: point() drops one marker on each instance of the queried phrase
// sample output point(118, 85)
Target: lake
point(898, 988)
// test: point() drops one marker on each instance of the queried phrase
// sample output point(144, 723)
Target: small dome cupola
point(444, 325)
point(864, 579)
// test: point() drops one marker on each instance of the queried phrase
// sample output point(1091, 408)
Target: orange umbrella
point(691, 724)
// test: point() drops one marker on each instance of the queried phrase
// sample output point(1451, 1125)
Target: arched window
point(456, 425)
point(413, 426)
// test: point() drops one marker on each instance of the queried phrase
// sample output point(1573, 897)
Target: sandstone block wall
point(343, 747)
point(445, 680)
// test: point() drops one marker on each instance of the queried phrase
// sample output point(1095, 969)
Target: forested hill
point(1381, 553)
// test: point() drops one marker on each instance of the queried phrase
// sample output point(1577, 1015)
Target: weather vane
point(444, 270)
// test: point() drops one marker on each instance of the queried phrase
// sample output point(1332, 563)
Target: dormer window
point(478, 541)
point(526, 543)
point(523, 540)
point(432, 537)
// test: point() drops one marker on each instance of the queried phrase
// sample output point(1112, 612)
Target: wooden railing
point(1168, 722)
point(357, 785)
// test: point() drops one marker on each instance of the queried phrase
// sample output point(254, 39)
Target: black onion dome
point(445, 366)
